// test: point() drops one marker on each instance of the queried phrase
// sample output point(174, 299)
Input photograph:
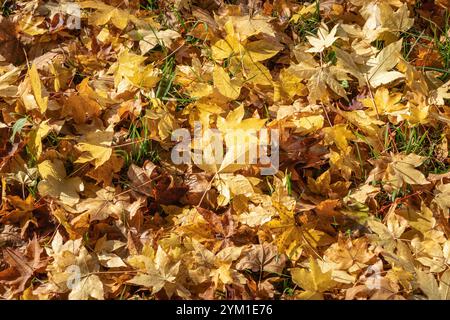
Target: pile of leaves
point(93, 207)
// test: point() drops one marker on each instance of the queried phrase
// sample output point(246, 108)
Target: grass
point(168, 75)
point(405, 139)
point(149, 5)
point(442, 43)
point(360, 160)
point(373, 153)
point(408, 140)
point(167, 90)
point(33, 190)
point(7, 8)
point(307, 26)
point(288, 182)
point(420, 141)
point(441, 40)
point(330, 57)
point(410, 41)
point(417, 140)
point(51, 139)
point(143, 148)
point(386, 199)
point(138, 131)
point(379, 44)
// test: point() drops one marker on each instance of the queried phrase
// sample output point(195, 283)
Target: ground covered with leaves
point(93, 207)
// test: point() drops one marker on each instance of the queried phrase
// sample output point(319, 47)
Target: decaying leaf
point(178, 149)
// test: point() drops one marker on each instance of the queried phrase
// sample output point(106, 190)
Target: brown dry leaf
point(22, 266)
point(350, 255)
point(104, 205)
point(262, 258)
point(82, 106)
point(105, 173)
point(11, 48)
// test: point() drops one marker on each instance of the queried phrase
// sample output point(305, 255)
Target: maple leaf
point(350, 255)
point(385, 103)
point(22, 266)
point(119, 18)
point(261, 50)
point(96, 146)
point(262, 258)
point(215, 267)
point(230, 185)
point(294, 234)
point(431, 247)
point(308, 124)
point(339, 135)
point(84, 105)
point(402, 170)
point(101, 207)
point(160, 274)
point(256, 216)
point(428, 284)
point(380, 65)
point(164, 117)
point(72, 269)
point(195, 78)
point(223, 225)
point(106, 249)
point(325, 38)
point(346, 62)
point(246, 26)
point(314, 282)
point(442, 198)
point(245, 59)
point(443, 92)
point(156, 184)
point(148, 39)
point(15, 210)
point(56, 184)
point(239, 139)
point(129, 69)
point(7, 88)
point(11, 49)
point(319, 79)
point(138, 222)
point(89, 286)
point(105, 172)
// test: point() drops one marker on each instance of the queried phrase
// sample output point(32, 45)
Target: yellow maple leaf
point(161, 273)
point(96, 146)
point(325, 38)
point(313, 281)
point(385, 103)
point(339, 135)
point(402, 170)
